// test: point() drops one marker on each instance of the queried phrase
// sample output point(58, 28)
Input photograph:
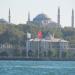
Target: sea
point(37, 67)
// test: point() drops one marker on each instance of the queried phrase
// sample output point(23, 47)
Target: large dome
point(3, 21)
point(41, 17)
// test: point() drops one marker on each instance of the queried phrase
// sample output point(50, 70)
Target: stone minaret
point(28, 16)
point(72, 19)
point(9, 16)
point(28, 22)
point(58, 17)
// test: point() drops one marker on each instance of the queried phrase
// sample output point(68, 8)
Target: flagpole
point(39, 42)
point(38, 49)
point(27, 48)
point(28, 37)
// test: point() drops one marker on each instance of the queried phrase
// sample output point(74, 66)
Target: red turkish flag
point(39, 34)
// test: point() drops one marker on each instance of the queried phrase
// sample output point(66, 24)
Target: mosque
point(43, 20)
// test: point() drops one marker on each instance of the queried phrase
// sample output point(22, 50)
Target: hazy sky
point(20, 8)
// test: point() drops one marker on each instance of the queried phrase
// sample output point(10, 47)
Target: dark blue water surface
point(37, 67)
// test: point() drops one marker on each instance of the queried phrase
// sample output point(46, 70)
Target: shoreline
point(39, 59)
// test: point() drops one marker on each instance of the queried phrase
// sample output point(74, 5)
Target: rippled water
point(37, 67)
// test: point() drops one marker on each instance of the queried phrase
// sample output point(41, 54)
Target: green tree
point(4, 53)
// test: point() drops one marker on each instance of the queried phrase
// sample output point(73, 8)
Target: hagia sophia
point(43, 20)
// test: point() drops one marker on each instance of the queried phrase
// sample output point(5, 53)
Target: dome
point(2, 21)
point(41, 17)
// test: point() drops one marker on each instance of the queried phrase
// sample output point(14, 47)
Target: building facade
point(43, 46)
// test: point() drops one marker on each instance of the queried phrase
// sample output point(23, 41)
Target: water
point(37, 67)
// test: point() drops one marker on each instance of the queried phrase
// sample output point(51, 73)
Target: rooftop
point(49, 40)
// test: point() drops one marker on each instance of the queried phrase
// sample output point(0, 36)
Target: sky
point(20, 8)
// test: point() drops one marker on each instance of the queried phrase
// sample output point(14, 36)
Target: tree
point(4, 53)
point(55, 53)
point(64, 54)
point(23, 53)
point(49, 53)
point(30, 53)
point(16, 52)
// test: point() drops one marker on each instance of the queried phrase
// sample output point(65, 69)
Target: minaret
point(28, 16)
point(9, 16)
point(58, 21)
point(72, 18)
point(58, 17)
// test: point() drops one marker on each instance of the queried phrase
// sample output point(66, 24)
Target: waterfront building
point(44, 45)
